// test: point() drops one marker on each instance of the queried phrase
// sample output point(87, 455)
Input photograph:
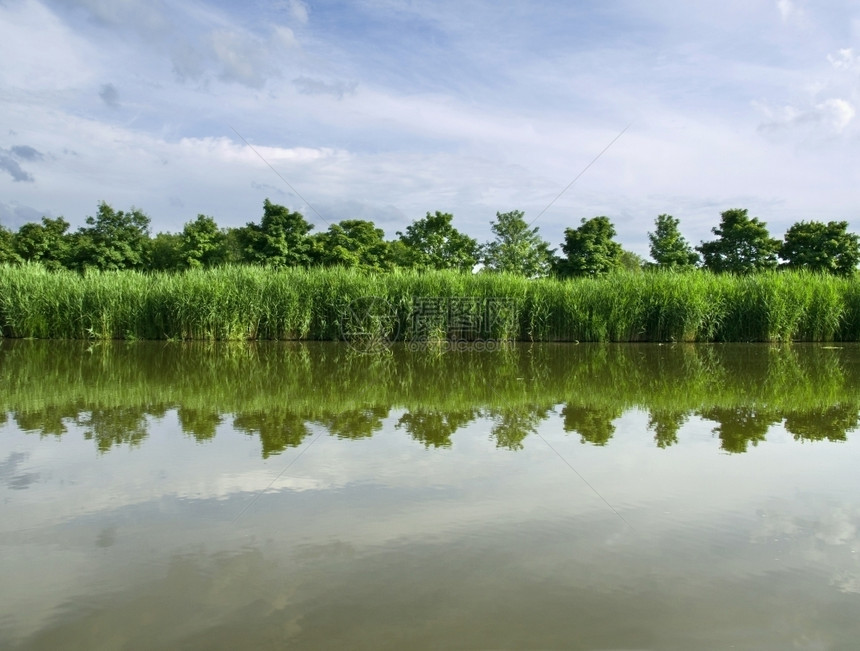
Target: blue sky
point(387, 109)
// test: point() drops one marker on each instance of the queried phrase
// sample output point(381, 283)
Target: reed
point(254, 303)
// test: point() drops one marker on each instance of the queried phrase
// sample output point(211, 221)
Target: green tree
point(352, 243)
point(202, 243)
point(47, 242)
point(433, 243)
point(112, 240)
point(279, 240)
point(165, 252)
point(821, 247)
point(632, 261)
point(400, 254)
point(743, 245)
point(234, 243)
point(517, 248)
point(8, 255)
point(668, 248)
point(589, 249)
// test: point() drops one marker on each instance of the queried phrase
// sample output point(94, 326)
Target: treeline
point(117, 240)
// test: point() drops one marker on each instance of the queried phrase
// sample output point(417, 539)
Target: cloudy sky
point(387, 109)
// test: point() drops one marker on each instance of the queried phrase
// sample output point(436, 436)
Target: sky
point(389, 109)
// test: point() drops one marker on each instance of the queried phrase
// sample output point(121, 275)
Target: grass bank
point(251, 303)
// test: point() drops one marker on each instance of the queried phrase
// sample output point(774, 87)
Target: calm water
point(180, 496)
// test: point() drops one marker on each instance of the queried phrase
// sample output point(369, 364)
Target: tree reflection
point(740, 426)
point(199, 423)
point(665, 424)
point(278, 430)
point(434, 428)
point(831, 423)
point(355, 423)
point(594, 425)
point(112, 389)
point(116, 426)
point(47, 422)
point(511, 426)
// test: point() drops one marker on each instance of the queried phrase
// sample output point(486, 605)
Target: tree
point(352, 243)
point(632, 261)
point(112, 240)
point(202, 244)
point(517, 248)
point(400, 254)
point(821, 247)
point(668, 248)
point(47, 242)
point(280, 240)
point(234, 245)
point(590, 250)
point(434, 243)
point(165, 252)
point(8, 255)
point(743, 245)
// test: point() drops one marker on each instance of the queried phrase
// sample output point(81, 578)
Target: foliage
point(517, 248)
point(112, 240)
point(668, 247)
point(589, 249)
point(233, 244)
point(400, 255)
point(165, 253)
point(279, 240)
point(8, 254)
point(352, 243)
point(815, 246)
point(632, 261)
point(743, 245)
point(202, 244)
point(433, 243)
point(47, 242)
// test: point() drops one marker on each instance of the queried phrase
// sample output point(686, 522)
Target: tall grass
point(253, 303)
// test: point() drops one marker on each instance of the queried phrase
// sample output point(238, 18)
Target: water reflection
point(544, 497)
point(276, 392)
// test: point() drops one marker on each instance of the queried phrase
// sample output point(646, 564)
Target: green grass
point(253, 303)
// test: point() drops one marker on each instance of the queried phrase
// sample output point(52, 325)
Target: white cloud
point(845, 59)
point(240, 58)
point(40, 53)
point(787, 9)
point(299, 11)
point(146, 15)
point(401, 108)
point(836, 113)
point(830, 116)
point(285, 36)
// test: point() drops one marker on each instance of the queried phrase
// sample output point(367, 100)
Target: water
point(299, 496)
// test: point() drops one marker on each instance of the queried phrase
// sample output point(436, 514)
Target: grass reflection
point(276, 391)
